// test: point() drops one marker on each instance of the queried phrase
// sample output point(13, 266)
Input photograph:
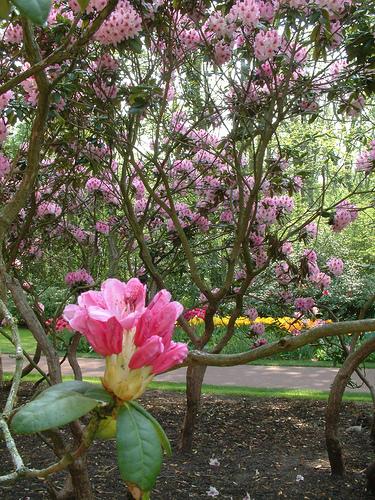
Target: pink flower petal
point(175, 355)
point(147, 353)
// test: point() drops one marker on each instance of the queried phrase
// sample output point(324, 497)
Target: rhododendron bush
point(151, 139)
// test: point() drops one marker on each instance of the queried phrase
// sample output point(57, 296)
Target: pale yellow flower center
point(119, 379)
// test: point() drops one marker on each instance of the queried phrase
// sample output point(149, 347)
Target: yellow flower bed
point(286, 323)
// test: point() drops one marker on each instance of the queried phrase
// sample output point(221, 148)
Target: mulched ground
point(262, 446)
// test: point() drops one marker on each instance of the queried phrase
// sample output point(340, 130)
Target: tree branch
point(285, 344)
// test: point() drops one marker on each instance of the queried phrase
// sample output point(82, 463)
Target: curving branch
point(334, 403)
point(285, 344)
point(9, 405)
point(67, 460)
point(10, 210)
point(16, 339)
point(34, 325)
point(72, 356)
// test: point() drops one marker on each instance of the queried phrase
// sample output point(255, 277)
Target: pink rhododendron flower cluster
point(61, 324)
point(310, 256)
point(267, 44)
point(346, 213)
point(198, 312)
point(309, 106)
point(95, 152)
point(105, 63)
point(226, 216)
point(294, 52)
point(122, 24)
point(321, 280)
point(136, 340)
point(258, 328)
point(222, 52)
point(79, 234)
point(93, 5)
point(338, 67)
point(282, 272)
point(335, 266)
point(245, 11)
point(94, 184)
point(13, 34)
point(103, 227)
point(31, 90)
point(5, 99)
point(334, 6)
point(219, 25)
point(267, 9)
point(35, 251)
point(314, 274)
point(259, 343)
point(252, 313)
point(48, 208)
point(286, 248)
point(311, 230)
point(271, 208)
point(97, 186)
point(79, 277)
point(190, 39)
point(304, 304)
point(366, 160)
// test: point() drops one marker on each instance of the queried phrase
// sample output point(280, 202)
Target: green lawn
point(250, 392)
point(28, 344)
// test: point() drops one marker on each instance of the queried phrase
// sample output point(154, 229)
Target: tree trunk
point(72, 356)
point(77, 484)
point(36, 328)
point(3, 297)
point(194, 380)
point(113, 256)
point(80, 480)
point(334, 404)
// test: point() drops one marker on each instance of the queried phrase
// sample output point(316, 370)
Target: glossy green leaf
point(89, 390)
point(4, 9)
point(50, 410)
point(139, 453)
point(36, 10)
point(164, 441)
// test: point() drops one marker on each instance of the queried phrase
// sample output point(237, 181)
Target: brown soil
point(262, 445)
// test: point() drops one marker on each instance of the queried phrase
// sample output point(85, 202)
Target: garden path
point(275, 377)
